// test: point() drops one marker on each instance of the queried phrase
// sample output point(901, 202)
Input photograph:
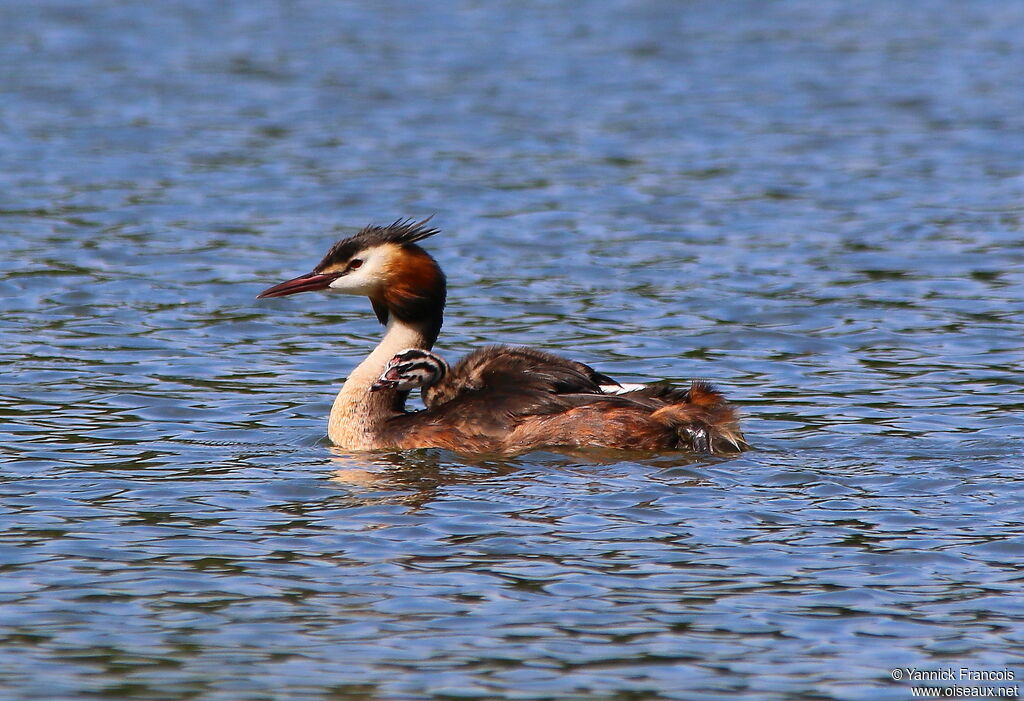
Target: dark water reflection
point(815, 204)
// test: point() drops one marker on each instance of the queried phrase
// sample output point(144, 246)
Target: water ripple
point(816, 208)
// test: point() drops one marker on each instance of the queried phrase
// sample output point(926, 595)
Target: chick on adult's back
point(499, 399)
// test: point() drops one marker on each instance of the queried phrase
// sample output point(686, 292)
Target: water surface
point(815, 205)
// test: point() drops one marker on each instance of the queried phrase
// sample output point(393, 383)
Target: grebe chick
point(509, 369)
point(499, 399)
point(412, 368)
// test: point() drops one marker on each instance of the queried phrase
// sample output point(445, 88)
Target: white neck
point(358, 413)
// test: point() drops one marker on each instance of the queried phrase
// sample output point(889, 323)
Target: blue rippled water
point(816, 205)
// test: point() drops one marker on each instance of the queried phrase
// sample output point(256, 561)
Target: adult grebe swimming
point(498, 399)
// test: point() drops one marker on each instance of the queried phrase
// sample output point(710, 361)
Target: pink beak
point(388, 380)
point(303, 283)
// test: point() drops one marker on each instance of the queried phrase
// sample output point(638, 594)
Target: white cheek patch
point(352, 283)
point(338, 284)
point(366, 279)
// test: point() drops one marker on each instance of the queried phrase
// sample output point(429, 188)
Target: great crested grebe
point(498, 399)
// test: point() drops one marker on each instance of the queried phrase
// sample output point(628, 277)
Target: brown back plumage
point(519, 380)
point(510, 399)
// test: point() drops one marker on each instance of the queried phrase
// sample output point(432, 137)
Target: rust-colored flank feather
point(498, 399)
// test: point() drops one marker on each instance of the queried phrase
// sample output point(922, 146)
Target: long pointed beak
point(303, 283)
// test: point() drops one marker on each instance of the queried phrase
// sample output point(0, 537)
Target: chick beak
point(303, 283)
point(389, 380)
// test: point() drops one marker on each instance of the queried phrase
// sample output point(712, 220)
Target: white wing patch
point(621, 389)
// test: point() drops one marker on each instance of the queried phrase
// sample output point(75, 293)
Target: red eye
point(354, 263)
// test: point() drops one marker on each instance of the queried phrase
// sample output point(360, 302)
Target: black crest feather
point(402, 232)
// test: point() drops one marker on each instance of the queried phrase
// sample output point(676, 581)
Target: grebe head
point(410, 369)
point(385, 264)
